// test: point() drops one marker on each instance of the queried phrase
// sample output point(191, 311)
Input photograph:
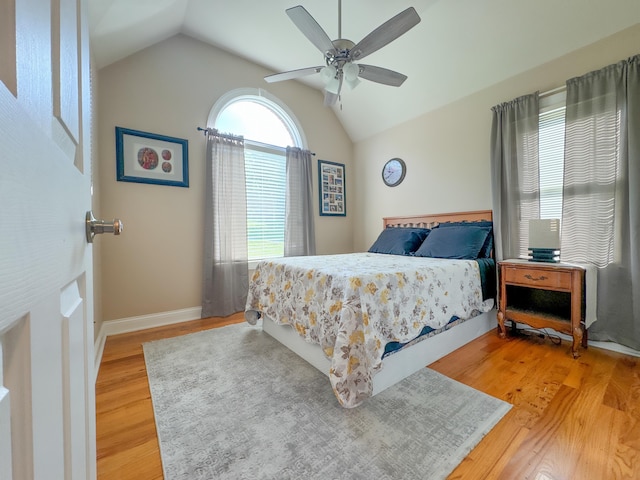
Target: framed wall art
point(332, 183)
point(144, 157)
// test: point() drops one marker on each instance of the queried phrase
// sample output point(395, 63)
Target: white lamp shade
point(328, 73)
point(352, 83)
point(544, 233)
point(351, 71)
point(332, 86)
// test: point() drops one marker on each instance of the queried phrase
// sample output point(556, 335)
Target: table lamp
point(544, 240)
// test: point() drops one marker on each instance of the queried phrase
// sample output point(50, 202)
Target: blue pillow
point(485, 251)
point(487, 248)
point(399, 240)
point(453, 242)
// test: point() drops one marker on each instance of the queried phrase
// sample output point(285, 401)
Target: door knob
point(94, 227)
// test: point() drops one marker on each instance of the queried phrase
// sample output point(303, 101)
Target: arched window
point(268, 128)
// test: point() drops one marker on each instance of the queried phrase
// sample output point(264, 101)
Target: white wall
point(156, 264)
point(447, 150)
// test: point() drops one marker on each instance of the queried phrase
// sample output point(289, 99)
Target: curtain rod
point(224, 135)
point(234, 137)
point(553, 91)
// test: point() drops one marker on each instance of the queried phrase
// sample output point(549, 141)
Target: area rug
point(233, 403)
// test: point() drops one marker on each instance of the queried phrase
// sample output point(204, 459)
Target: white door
point(47, 406)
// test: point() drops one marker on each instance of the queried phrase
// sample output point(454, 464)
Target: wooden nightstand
point(543, 295)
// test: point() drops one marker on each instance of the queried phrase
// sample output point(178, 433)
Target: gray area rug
point(233, 403)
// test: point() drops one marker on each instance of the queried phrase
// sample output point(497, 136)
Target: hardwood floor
point(127, 445)
point(571, 419)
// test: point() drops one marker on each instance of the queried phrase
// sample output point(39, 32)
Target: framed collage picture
point(144, 157)
point(332, 183)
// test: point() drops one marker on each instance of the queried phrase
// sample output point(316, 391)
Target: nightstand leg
point(577, 340)
point(577, 284)
point(502, 332)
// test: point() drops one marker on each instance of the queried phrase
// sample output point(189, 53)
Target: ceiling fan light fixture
point(352, 83)
point(351, 71)
point(333, 86)
point(328, 74)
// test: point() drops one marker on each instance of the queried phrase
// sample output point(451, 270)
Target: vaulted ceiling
point(459, 47)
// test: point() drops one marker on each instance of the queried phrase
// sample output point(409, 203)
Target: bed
point(368, 320)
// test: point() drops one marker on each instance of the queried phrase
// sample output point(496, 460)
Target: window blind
point(551, 155)
point(265, 168)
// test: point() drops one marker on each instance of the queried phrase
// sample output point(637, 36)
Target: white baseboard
point(98, 350)
point(613, 346)
point(142, 322)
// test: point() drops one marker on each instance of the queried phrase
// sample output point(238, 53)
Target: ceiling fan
point(340, 55)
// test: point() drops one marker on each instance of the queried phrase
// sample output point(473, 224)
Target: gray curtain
point(601, 197)
point(225, 279)
point(514, 174)
point(299, 236)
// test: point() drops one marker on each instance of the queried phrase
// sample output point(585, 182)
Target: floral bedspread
point(352, 305)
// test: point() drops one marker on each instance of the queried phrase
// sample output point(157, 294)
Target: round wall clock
point(393, 172)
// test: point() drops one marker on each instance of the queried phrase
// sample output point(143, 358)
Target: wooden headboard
point(430, 221)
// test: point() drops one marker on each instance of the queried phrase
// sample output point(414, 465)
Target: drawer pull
point(534, 278)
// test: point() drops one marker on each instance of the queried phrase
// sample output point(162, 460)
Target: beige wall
point(168, 89)
point(447, 151)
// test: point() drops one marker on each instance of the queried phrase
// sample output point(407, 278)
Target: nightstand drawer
point(536, 277)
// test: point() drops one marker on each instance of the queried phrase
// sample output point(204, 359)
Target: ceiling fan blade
point(302, 72)
point(310, 28)
point(386, 33)
point(381, 75)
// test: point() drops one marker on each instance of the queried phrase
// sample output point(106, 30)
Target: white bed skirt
point(400, 364)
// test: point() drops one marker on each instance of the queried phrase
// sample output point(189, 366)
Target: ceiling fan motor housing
point(341, 55)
